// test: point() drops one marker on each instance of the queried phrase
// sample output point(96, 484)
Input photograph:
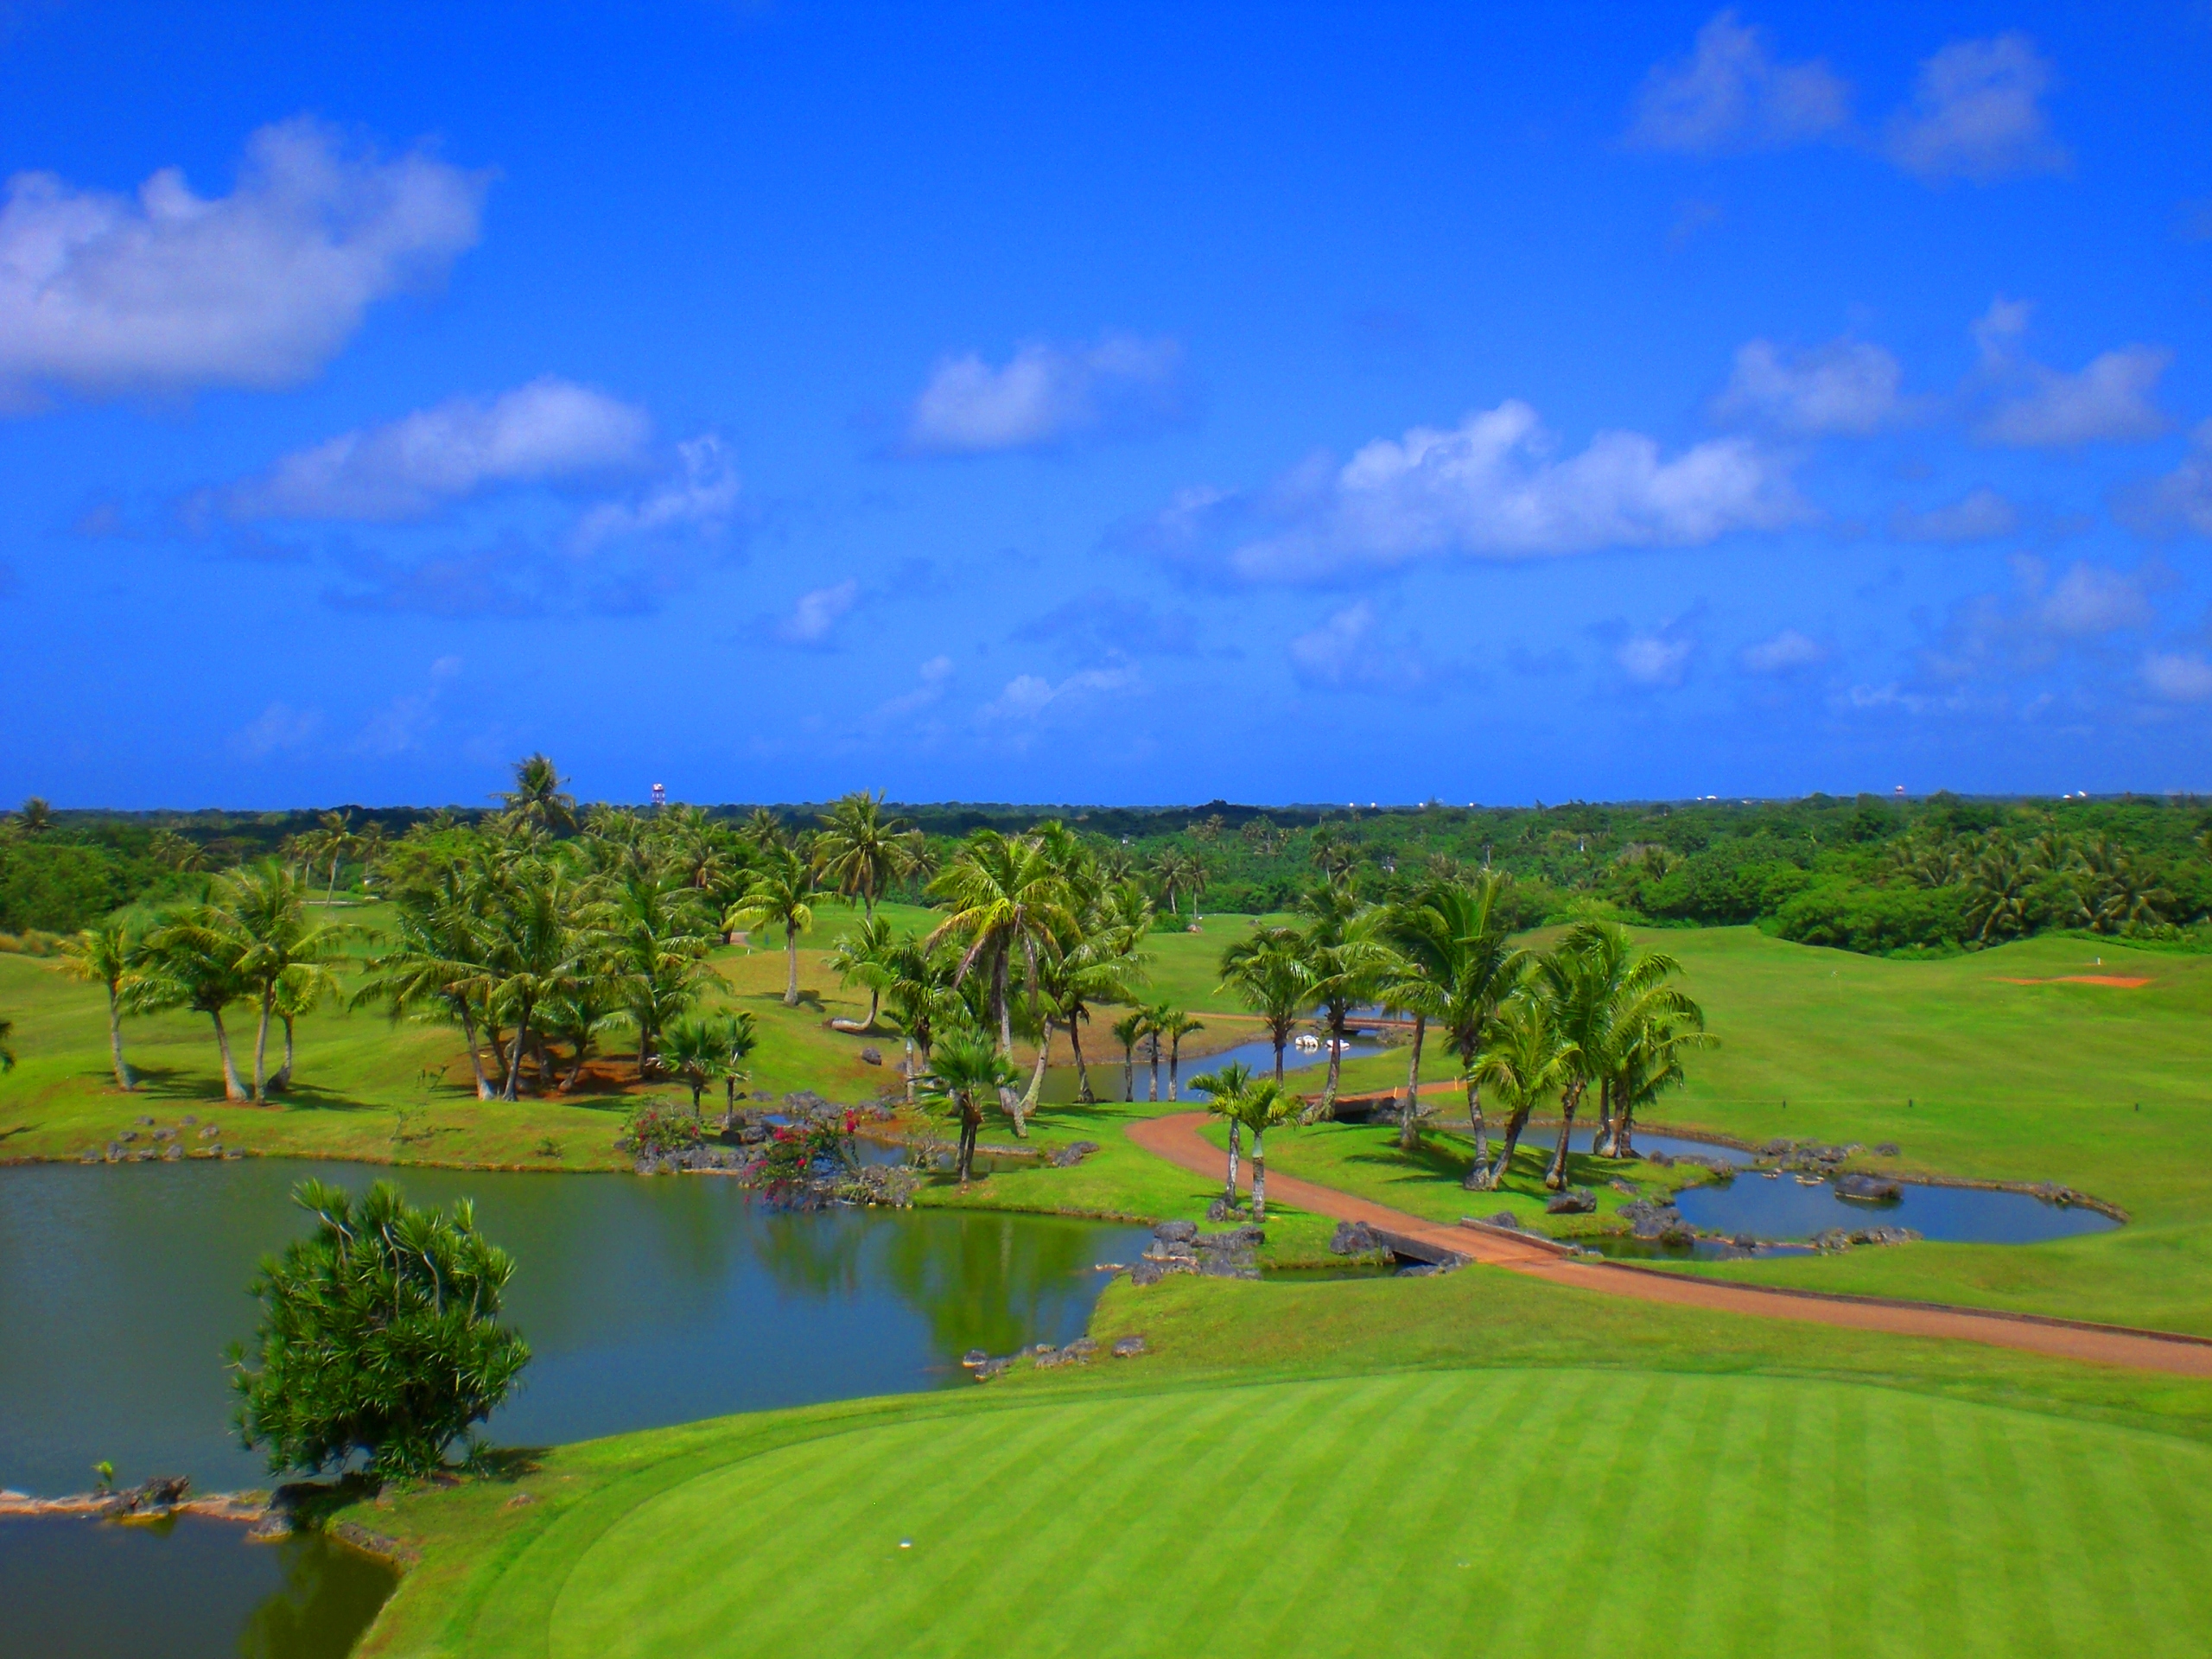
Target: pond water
point(645, 1301)
point(1778, 1207)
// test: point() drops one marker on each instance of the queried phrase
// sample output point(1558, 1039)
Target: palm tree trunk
point(576, 1065)
point(1082, 1071)
point(475, 1054)
point(1152, 1052)
point(971, 1120)
point(1030, 1096)
point(1601, 1138)
point(331, 898)
point(1174, 1062)
point(1514, 1125)
point(1001, 1011)
point(1282, 1037)
point(1476, 1172)
point(261, 1050)
point(1130, 1074)
point(790, 959)
point(499, 1047)
point(233, 1088)
point(1259, 1175)
point(123, 1080)
point(514, 1061)
point(282, 1080)
point(1409, 1125)
point(1555, 1177)
point(1336, 1061)
point(1235, 1145)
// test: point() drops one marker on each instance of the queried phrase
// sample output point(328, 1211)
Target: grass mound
point(1491, 1511)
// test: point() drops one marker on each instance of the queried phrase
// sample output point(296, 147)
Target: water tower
point(660, 796)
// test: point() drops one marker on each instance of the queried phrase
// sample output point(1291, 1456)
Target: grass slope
point(1305, 1468)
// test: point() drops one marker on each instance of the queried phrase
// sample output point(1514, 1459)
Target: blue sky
point(1137, 404)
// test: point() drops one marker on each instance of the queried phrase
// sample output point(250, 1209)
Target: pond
point(1106, 1072)
point(1778, 1207)
point(645, 1301)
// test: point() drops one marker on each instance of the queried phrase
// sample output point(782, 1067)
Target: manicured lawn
point(1305, 1468)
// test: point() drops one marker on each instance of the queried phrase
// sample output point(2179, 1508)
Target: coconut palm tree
point(966, 1069)
point(1526, 1058)
point(1264, 1105)
point(1601, 989)
point(1481, 968)
point(1413, 980)
point(34, 816)
point(1008, 899)
point(188, 963)
point(1334, 856)
point(652, 938)
point(537, 952)
point(1268, 970)
point(919, 997)
point(740, 1038)
point(860, 853)
point(696, 1047)
point(781, 896)
point(1346, 959)
point(864, 957)
point(1225, 1091)
point(577, 1016)
point(439, 962)
point(333, 838)
point(108, 955)
point(1129, 1031)
point(1177, 872)
point(537, 798)
point(1174, 1025)
point(259, 913)
point(764, 830)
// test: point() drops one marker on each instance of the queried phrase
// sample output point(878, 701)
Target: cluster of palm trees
point(2012, 884)
point(1596, 1011)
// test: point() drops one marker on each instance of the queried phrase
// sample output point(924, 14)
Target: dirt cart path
point(1176, 1138)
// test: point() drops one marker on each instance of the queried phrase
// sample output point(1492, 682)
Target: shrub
point(659, 1127)
point(1850, 916)
point(379, 1335)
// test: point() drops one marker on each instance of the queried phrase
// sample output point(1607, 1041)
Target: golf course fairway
point(1418, 1513)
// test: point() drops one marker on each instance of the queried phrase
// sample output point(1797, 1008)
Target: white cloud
point(399, 725)
point(1786, 653)
point(2181, 500)
point(2177, 678)
point(102, 294)
point(1729, 92)
point(2108, 402)
point(1658, 659)
point(1981, 515)
point(1350, 650)
point(931, 679)
point(1046, 394)
point(1847, 386)
point(1027, 697)
point(1977, 114)
point(1490, 488)
point(701, 497)
point(818, 612)
point(2091, 600)
point(278, 726)
point(549, 429)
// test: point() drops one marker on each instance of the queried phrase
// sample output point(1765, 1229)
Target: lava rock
point(1151, 1270)
point(1886, 1149)
point(1506, 1219)
point(974, 1358)
point(127, 1136)
point(1068, 1156)
point(1221, 1209)
point(1128, 1347)
point(211, 1132)
point(170, 1154)
point(1355, 1238)
point(1081, 1348)
point(155, 1496)
point(871, 1057)
point(1176, 1232)
point(164, 1134)
point(1870, 1189)
point(1649, 1220)
point(1575, 1201)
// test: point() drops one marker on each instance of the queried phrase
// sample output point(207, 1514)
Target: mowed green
point(1501, 1511)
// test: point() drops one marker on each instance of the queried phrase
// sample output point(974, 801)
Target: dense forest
point(1935, 875)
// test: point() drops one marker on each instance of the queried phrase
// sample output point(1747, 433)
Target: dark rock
point(1068, 1156)
point(1176, 1232)
point(145, 1123)
point(1575, 1201)
point(1418, 1270)
point(170, 1154)
point(127, 1136)
point(1870, 1189)
point(1081, 1348)
point(974, 1358)
point(1886, 1149)
point(164, 1134)
point(1650, 1220)
point(155, 1496)
point(1776, 1148)
point(1220, 1209)
point(1128, 1347)
point(1677, 1235)
point(1355, 1238)
point(991, 1368)
point(211, 1132)
point(1659, 1157)
point(1151, 1271)
point(871, 1057)
point(1745, 1241)
point(188, 1119)
point(1506, 1219)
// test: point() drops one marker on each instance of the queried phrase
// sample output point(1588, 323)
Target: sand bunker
point(2120, 980)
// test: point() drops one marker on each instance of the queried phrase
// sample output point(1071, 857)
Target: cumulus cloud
point(817, 612)
point(1787, 652)
point(2182, 500)
point(278, 728)
point(2030, 405)
point(1977, 114)
point(507, 578)
point(1845, 386)
point(1658, 660)
point(1029, 697)
point(1105, 622)
point(2175, 677)
point(1491, 487)
point(931, 680)
point(1980, 515)
point(700, 497)
point(548, 430)
point(1046, 394)
point(1729, 92)
point(1991, 637)
point(1350, 650)
point(2091, 600)
point(166, 291)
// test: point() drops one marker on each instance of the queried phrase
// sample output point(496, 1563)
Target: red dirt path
point(1176, 1138)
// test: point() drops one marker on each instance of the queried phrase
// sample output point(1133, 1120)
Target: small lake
point(645, 1301)
point(1106, 1073)
point(1778, 1207)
